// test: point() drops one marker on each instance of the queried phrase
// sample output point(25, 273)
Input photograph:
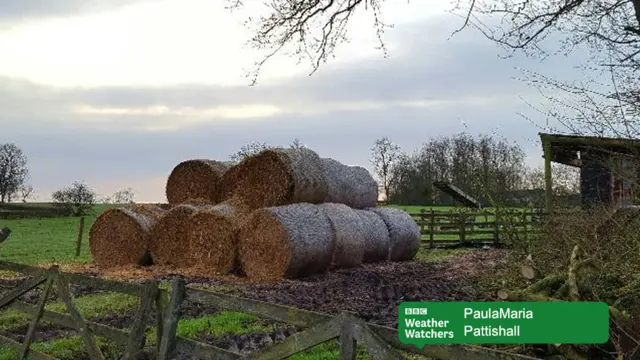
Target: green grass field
point(53, 240)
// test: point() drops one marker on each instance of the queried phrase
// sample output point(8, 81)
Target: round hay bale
point(120, 236)
point(287, 241)
point(169, 237)
point(377, 242)
point(348, 235)
point(195, 179)
point(213, 237)
point(404, 233)
point(276, 177)
point(350, 185)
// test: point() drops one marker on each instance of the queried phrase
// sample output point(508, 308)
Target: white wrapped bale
point(404, 233)
point(376, 235)
point(348, 235)
point(350, 185)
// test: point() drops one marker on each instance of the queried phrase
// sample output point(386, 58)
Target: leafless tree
point(124, 196)
point(384, 154)
point(297, 144)
point(26, 192)
point(77, 199)
point(484, 167)
point(13, 170)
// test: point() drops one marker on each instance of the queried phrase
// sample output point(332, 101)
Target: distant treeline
point(493, 171)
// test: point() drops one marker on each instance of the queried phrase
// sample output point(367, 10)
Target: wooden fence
point(382, 342)
point(450, 228)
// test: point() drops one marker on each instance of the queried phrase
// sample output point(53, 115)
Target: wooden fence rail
point(381, 342)
point(446, 228)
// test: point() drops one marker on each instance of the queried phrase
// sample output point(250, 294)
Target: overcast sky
point(117, 92)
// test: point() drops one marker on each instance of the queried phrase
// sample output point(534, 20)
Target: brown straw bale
point(213, 236)
point(348, 235)
point(350, 185)
point(120, 236)
point(291, 241)
point(404, 233)
point(276, 177)
point(377, 242)
point(169, 240)
point(195, 179)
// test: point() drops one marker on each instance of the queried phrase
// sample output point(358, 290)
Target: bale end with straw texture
point(213, 235)
point(120, 236)
point(169, 237)
point(195, 179)
point(404, 233)
point(348, 235)
point(286, 241)
point(376, 235)
point(276, 177)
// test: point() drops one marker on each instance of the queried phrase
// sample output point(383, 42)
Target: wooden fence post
point(422, 221)
point(432, 225)
point(525, 223)
point(26, 345)
point(496, 230)
point(347, 340)
point(171, 318)
point(80, 233)
point(463, 226)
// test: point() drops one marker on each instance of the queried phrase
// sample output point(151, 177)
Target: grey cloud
point(430, 68)
point(23, 9)
point(63, 146)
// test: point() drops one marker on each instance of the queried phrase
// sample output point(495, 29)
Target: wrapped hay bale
point(404, 233)
point(286, 241)
point(348, 235)
point(376, 235)
point(350, 185)
point(120, 236)
point(276, 177)
point(213, 236)
point(169, 238)
point(195, 179)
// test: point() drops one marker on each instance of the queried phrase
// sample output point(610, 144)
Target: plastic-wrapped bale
point(169, 237)
point(348, 235)
point(276, 177)
point(404, 233)
point(376, 235)
point(350, 185)
point(291, 241)
point(120, 236)
point(213, 236)
point(195, 179)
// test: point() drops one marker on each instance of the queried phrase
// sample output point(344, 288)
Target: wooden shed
point(609, 167)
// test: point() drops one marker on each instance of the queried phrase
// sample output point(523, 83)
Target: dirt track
point(373, 292)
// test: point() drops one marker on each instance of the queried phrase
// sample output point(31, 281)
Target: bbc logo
point(415, 311)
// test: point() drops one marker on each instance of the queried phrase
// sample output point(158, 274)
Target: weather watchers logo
point(503, 323)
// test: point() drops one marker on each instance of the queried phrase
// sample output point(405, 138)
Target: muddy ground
point(372, 291)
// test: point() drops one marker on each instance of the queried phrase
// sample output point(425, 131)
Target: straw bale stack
point(276, 177)
point(195, 179)
point(120, 236)
point(286, 241)
point(377, 242)
point(350, 185)
point(169, 240)
point(404, 233)
point(348, 235)
point(213, 235)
